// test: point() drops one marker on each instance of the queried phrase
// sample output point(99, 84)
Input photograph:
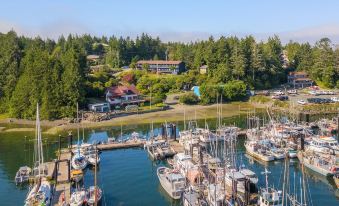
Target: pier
point(122, 145)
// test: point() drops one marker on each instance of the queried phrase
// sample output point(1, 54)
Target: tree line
point(55, 73)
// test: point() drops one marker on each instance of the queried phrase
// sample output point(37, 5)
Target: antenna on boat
point(266, 172)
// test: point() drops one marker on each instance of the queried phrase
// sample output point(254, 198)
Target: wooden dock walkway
point(111, 146)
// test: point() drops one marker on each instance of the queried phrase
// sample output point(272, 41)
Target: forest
point(56, 74)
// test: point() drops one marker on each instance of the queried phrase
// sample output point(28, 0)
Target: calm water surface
point(127, 176)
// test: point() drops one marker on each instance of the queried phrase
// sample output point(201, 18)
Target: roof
point(237, 175)
point(204, 67)
point(158, 62)
point(123, 90)
point(297, 73)
point(92, 56)
point(247, 172)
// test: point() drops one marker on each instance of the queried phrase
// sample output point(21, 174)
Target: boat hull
point(259, 156)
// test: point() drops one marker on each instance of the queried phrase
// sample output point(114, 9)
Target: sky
point(174, 20)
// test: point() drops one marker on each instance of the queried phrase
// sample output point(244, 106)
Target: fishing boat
point(278, 154)
point(78, 198)
point(77, 175)
point(324, 144)
point(183, 163)
point(215, 195)
point(40, 192)
point(235, 177)
point(291, 153)
point(193, 198)
point(22, 175)
point(323, 165)
point(255, 150)
point(172, 181)
point(269, 196)
point(94, 194)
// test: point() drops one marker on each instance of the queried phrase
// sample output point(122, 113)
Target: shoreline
point(176, 113)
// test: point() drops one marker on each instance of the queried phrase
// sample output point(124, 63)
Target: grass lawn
point(4, 116)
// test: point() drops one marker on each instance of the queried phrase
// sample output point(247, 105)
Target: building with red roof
point(123, 95)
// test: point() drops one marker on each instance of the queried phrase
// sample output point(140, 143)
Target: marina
point(63, 187)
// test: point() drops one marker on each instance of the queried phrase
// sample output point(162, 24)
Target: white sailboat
point(78, 198)
point(79, 161)
point(40, 193)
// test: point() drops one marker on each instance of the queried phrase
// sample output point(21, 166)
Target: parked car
point(302, 102)
point(292, 91)
point(265, 93)
point(335, 99)
point(313, 93)
point(283, 97)
point(279, 92)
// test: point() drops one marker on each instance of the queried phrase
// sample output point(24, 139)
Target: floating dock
point(122, 145)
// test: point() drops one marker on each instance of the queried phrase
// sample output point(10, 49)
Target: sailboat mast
point(39, 140)
point(95, 176)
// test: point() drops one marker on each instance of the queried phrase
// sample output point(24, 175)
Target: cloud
point(313, 34)
point(64, 27)
point(52, 30)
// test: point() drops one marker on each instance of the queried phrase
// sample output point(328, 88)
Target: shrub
point(189, 98)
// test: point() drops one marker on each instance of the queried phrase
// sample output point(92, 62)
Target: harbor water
point(128, 176)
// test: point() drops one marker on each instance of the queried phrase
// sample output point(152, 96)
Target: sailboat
point(94, 193)
point(79, 161)
point(78, 198)
point(40, 193)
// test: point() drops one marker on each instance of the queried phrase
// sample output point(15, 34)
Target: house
point(123, 95)
point(162, 66)
point(100, 107)
point(203, 69)
point(299, 80)
point(93, 58)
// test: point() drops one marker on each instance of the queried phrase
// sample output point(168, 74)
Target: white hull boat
point(172, 182)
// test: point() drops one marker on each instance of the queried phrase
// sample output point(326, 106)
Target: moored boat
point(40, 194)
point(78, 198)
point(172, 182)
point(22, 175)
point(269, 196)
point(323, 165)
point(77, 175)
point(79, 161)
point(94, 194)
point(253, 149)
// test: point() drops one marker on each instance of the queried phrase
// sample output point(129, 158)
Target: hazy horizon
point(185, 21)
